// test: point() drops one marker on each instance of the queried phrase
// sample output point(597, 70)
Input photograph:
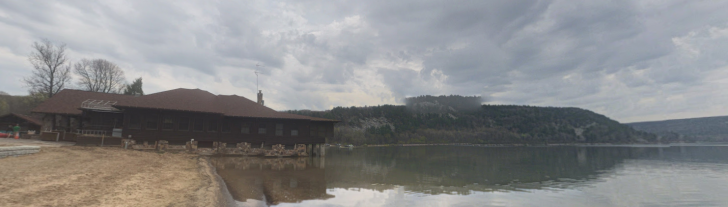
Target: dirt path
point(94, 176)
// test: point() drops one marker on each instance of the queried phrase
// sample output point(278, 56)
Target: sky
point(629, 60)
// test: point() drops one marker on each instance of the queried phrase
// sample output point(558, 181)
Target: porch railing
point(102, 105)
point(93, 132)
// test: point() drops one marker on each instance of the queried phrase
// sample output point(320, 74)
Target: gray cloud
point(632, 60)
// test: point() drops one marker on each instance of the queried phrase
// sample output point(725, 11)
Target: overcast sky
point(629, 60)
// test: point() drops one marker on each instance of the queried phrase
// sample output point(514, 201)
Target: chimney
point(260, 98)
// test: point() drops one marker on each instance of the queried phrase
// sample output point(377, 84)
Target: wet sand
point(96, 176)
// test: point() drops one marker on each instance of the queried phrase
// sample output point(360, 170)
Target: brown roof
point(239, 106)
point(68, 101)
point(193, 100)
point(180, 99)
point(27, 118)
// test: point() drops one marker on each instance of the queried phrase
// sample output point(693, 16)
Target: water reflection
point(478, 176)
point(272, 180)
point(460, 170)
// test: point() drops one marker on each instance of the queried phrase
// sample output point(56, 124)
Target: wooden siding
point(93, 120)
point(234, 135)
point(12, 121)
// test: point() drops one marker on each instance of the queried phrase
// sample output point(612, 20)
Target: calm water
point(482, 176)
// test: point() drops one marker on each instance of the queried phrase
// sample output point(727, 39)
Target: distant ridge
point(434, 120)
point(703, 129)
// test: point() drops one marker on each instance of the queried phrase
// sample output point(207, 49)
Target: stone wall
point(222, 148)
point(98, 141)
point(18, 150)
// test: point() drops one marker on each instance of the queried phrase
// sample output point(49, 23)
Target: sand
point(96, 176)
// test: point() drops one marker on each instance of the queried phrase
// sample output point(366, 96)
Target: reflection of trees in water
point(459, 170)
point(705, 154)
point(438, 169)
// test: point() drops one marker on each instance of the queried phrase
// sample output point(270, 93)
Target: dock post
point(317, 149)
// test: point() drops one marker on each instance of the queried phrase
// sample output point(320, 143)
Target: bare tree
point(100, 75)
point(51, 71)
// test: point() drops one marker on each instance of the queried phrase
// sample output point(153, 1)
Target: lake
point(686, 175)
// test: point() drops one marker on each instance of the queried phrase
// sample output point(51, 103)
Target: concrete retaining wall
point(86, 140)
point(18, 150)
point(50, 136)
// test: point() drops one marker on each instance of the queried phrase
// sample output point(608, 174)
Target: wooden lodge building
point(178, 116)
point(26, 122)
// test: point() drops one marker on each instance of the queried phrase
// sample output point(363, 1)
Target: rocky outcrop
point(243, 148)
point(374, 122)
point(280, 151)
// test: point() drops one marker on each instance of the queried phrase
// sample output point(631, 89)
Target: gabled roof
point(180, 99)
point(68, 101)
point(192, 100)
point(27, 118)
point(238, 106)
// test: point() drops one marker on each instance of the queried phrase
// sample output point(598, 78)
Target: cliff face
point(488, 124)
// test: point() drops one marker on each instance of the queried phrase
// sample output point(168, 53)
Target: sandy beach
point(96, 176)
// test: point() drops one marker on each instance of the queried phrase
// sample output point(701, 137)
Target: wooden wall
point(12, 120)
point(93, 120)
point(209, 133)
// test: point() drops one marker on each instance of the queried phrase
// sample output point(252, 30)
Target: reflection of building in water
point(275, 180)
point(437, 170)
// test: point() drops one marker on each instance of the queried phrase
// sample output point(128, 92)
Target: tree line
point(52, 73)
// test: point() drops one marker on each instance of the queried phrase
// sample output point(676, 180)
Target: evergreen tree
point(135, 88)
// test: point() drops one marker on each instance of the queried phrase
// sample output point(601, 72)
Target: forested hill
point(706, 129)
point(487, 124)
point(19, 104)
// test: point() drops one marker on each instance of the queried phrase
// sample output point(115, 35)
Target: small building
point(26, 122)
point(178, 116)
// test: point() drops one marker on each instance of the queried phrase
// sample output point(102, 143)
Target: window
point(184, 124)
point(135, 121)
point(261, 129)
point(152, 122)
point(198, 125)
point(168, 123)
point(322, 131)
point(212, 127)
point(312, 130)
point(225, 127)
point(245, 128)
point(294, 130)
point(279, 129)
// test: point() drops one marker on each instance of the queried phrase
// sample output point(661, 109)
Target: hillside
point(695, 129)
point(19, 104)
point(487, 124)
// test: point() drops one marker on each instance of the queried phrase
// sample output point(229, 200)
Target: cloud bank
point(630, 60)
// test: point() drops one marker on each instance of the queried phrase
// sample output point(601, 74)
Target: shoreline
point(215, 184)
point(549, 145)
